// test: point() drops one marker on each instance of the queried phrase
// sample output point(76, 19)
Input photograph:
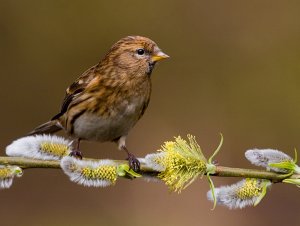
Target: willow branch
point(221, 171)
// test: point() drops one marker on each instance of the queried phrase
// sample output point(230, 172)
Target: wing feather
point(75, 89)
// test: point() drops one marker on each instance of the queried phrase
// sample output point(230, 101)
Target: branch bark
point(221, 171)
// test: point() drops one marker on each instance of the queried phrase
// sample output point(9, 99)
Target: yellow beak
point(159, 56)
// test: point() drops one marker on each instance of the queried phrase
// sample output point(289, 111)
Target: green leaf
point(124, 170)
point(296, 156)
point(212, 188)
point(263, 192)
point(284, 165)
point(292, 181)
point(217, 150)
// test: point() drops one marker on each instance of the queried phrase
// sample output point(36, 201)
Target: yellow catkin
point(54, 148)
point(101, 173)
point(250, 189)
point(183, 162)
point(180, 170)
point(159, 160)
point(5, 172)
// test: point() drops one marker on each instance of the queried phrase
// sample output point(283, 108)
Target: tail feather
point(48, 128)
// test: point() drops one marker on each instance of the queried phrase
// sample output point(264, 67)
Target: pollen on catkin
point(271, 159)
point(247, 192)
point(154, 161)
point(89, 173)
point(7, 174)
point(182, 161)
point(249, 189)
point(45, 147)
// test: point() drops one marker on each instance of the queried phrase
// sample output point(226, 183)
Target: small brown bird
point(108, 99)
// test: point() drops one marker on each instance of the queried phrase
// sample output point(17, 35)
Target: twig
point(221, 171)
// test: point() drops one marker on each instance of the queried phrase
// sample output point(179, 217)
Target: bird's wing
point(145, 105)
point(75, 89)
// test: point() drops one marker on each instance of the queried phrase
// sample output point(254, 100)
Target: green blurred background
point(234, 68)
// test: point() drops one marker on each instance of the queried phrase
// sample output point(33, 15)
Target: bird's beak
point(159, 56)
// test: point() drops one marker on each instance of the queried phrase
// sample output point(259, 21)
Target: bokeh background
point(234, 68)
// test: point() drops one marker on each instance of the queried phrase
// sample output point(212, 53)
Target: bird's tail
point(47, 128)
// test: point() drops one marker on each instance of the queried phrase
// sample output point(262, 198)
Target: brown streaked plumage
point(107, 100)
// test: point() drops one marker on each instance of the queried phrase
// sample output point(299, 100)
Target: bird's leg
point(133, 162)
point(75, 152)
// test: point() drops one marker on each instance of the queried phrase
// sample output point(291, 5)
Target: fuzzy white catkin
point(6, 183)
point(30, 147)
point(263, 157)
point(14, 171)
point(228, 195)
point(73, 168)
point(151, 161)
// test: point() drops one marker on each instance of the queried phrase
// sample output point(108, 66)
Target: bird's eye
point(140, 51)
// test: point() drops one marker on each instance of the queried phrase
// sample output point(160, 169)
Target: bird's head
point(136, 55)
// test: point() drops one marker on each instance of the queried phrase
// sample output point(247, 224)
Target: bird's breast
point(123, 116)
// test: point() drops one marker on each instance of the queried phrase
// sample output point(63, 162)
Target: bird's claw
point(76, 154)
point(134, 163)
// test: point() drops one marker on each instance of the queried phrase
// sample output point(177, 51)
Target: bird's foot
point(134, 163)
point(77, 154)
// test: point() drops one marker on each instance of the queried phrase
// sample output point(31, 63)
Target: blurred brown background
point(234, 68)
